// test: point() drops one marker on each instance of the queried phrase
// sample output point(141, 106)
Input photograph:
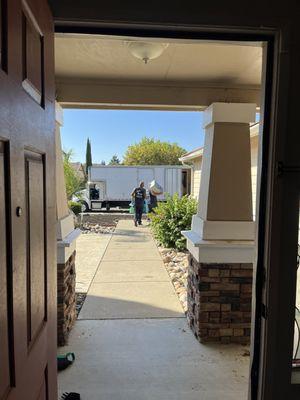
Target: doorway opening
point(27, 170)
point(239, 81)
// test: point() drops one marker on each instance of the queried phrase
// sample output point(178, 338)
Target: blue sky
point(112, 131)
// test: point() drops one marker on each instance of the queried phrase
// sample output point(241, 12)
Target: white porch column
point(66, 232)
point(66, 246)
point(61, 194)
point(221, 242)
point(223, 229)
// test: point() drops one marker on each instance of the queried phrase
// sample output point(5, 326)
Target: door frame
point(265, 367)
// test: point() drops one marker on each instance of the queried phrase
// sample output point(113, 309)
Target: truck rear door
point(173, 181)
point(146, 175)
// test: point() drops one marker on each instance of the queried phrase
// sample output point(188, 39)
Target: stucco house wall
point(196, 173)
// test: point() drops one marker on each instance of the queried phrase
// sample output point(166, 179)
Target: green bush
point(75, 207)
point(73, 181)
point(172, 217)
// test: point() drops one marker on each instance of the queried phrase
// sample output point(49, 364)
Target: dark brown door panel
point(28, 285)
point(5, 281)
point(32, 52)
point(36, 262)
point(43, 393)
point(3, 35)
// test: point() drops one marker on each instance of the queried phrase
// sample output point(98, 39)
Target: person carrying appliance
point(152, 201)
point(154, 190)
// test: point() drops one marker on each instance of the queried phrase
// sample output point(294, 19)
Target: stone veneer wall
point(66, 299)
point(219, 301)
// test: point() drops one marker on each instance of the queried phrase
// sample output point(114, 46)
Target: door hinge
point(282, 168)
point(264, 311)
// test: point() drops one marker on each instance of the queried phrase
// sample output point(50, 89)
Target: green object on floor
point(64, 360)
point(131, 208)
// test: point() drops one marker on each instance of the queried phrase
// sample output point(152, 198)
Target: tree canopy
point(114, 160)
point(88, 156)
point(153, 152)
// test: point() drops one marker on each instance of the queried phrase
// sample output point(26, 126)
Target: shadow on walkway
point(150, 358)
point(132, 341)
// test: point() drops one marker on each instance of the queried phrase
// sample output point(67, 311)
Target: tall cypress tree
point(88, 156)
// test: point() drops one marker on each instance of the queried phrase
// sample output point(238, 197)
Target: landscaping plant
point(73, 181)
point(172, 217)
point(75, 207)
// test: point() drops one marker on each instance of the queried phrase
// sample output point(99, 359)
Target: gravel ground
point(176, 263)
point(89, 227)
point(80, 298)
point(99, 223)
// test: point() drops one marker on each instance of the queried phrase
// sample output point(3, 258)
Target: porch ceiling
point(198, 70)
point(94, 57)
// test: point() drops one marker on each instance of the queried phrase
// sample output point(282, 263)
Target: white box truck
point(111, 186)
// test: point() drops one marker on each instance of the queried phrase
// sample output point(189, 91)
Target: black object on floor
point(70, 396)
point(63, 361)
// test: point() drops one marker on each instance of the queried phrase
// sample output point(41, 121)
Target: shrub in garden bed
point(172, 217)
point(75, 207)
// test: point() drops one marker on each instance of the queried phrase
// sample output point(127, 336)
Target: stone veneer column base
point(66, 299)
point(219, 301)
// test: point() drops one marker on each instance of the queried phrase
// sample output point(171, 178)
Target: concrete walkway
point(132, 341)
point(89, 252)
point(131, 281)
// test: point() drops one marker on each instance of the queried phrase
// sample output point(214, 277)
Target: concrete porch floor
point(132, 341)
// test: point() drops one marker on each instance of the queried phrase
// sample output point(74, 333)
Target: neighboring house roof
point(198, 152)
point(192, 154)
point(78, 168)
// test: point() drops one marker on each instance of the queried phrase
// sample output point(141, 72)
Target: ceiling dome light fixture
point(146, 51)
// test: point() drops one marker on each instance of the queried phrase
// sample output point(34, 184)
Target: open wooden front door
point(27, 202)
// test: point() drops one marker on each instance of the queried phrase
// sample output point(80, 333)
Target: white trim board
point(209, 251)
point(223, 230)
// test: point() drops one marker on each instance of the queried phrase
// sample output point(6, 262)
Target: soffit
point(108, 59)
